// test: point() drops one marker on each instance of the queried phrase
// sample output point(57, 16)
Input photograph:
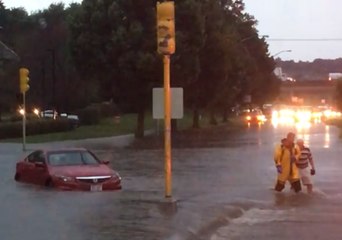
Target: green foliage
point(106, 51)
point(318, 69)
point(107, 109)
point(90, 115)
point(39, 126)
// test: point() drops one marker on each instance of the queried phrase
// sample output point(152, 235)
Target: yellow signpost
point(166, 47)
point(24, 87)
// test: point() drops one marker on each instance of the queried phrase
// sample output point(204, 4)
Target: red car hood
point(81, 170)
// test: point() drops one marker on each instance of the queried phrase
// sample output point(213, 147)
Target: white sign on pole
point(177, 111)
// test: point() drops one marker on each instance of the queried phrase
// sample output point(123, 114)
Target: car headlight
point(65, 178)
point(261, 118)
point(116, 176)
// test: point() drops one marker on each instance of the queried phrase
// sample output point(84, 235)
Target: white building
point(283, 76)
point(335, 76)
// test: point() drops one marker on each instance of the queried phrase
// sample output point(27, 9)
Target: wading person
point(286, 156)
point(303, 163)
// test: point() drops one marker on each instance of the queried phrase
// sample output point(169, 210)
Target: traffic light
point(24, 79)
point(166, 28)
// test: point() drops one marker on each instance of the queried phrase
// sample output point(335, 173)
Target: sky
point(283, 21)
point(300, 19)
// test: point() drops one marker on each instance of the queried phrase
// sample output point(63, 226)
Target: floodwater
point(223, 191)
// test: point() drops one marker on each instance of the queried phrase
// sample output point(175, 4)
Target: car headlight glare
point(65, 178)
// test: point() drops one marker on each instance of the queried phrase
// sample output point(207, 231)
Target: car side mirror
point(105, 162)
point(39, 164)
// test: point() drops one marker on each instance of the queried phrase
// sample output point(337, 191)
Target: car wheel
point(17, 177)
point(49, 183)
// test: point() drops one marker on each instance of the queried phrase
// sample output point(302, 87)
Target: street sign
point(177, 110)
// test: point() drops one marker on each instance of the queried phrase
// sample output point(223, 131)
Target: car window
point(40, 157)
point(37, 156)
point(89, 158)
point(71, 158)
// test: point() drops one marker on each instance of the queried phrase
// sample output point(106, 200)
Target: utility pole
point(166, 47)
point(24, 87)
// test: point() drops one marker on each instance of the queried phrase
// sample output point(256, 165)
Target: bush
point(33, 127)
point(10, 130)
point(93, 113)
point(107, 109)
point(89, 115)
point(17, 117)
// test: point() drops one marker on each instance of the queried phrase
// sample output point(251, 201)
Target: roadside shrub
point(10, 130)
point(33, 127)
point(48, 126)
point(93, 113)
point(17, 117)
point(90, 115)
point(107, 109)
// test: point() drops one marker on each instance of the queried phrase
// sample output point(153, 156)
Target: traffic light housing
point(166, 28)
point(24, 80)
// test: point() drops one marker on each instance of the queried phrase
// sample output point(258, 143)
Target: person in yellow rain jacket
point(285, 156)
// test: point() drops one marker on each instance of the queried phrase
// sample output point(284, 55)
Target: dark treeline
point(106, 51)
point(318, 69)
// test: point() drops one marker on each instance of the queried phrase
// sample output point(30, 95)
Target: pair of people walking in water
point(292, 163)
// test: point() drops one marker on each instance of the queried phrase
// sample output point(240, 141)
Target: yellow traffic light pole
point(167, 130)
point(24, 87)
point(166, 46)
point(24, 122)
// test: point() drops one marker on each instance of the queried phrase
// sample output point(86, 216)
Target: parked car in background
point(73, 118)
point(67, 169)
point(49, 114)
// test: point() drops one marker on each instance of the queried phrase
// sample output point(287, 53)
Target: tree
point(339, 94)
point(113, 43)
point(186, 61)
point(11, 20)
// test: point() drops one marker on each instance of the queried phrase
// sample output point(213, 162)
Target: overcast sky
point(279, 19)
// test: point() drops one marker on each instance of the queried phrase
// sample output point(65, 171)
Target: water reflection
point(327, 137)
point(304, 129)
point(303, 132)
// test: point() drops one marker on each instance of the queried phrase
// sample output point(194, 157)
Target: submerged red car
point(67, 169)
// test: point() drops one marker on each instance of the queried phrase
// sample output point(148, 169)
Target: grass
point(106, 128)
point(109, 127)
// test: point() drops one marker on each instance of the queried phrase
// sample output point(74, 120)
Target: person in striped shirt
point(303, 163)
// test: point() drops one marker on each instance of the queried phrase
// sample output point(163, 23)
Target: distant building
point(335, 76)
point(283, 76)
point(279, 73)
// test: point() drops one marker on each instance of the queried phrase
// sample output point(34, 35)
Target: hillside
point(319, 69)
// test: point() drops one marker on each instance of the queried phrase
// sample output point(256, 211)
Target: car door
point(40, 170)
point(28, 167)
point(34, 167)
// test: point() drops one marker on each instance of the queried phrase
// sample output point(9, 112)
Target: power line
point(305, 39)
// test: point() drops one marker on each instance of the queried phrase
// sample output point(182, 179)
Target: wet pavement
point(223, 189)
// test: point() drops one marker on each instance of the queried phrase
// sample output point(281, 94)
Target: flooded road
point(224, 191)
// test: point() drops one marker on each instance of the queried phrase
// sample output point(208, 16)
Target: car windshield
point(71, 158)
